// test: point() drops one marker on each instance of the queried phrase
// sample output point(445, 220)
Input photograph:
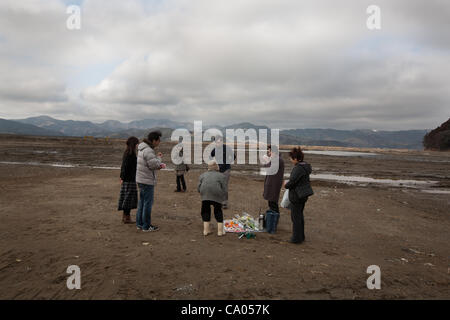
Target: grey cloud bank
point(286, 64)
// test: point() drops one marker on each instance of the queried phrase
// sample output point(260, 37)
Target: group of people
point(141, 163)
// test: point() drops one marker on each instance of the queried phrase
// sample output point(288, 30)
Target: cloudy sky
point(283, 63)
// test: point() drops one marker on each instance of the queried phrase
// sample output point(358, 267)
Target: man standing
point(148, 163)
point(224, 157)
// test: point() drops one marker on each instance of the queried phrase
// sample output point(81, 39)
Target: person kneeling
point(212, 188)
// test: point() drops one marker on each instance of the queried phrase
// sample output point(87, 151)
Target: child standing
point(212, 187)
point(128, 198)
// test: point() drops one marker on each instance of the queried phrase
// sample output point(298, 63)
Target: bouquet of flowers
point(244, 223)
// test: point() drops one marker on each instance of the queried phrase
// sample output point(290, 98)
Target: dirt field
point(53, 217)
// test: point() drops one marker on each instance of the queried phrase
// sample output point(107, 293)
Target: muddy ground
point(53, 217)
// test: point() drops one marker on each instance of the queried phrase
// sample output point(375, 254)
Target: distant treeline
point(439, 138)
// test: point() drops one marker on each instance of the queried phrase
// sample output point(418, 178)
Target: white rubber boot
point(220, 231)
point(206, 229)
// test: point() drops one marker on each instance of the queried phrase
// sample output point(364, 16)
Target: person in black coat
point(128, 190)
point(299, 190)
point(273, 183)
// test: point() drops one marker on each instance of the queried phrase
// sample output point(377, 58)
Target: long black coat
point(128, 168)
point(273, 183)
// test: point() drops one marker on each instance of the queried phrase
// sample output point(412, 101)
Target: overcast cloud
point(286, 64)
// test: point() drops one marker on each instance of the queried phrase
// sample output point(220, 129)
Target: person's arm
point(200, 180)
point(295, 177)
point(153, 162)
point(123, 168)
point(222, 183)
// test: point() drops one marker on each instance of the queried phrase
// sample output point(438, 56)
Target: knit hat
point(212, 165)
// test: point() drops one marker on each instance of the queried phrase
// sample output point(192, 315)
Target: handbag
point(304, 190)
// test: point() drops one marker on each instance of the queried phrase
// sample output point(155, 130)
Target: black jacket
point(223, 161)
point(299, 185)
point(128, 169)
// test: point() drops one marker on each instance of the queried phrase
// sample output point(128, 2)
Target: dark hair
point(272, 148)
point(154, 136)
point(297, 153)
point(132, 142)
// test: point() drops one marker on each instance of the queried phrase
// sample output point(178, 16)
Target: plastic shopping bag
point(285, 201)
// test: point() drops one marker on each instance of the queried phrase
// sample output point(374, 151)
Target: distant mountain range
point(48, 126)
point(14, 127)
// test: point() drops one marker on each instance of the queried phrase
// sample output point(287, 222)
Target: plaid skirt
point(128, 198)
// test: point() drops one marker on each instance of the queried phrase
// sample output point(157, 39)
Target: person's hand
point(162, 166)
point(121, 181)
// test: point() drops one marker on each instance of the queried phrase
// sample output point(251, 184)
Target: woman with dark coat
point(299, 190)
point(128, 190)
point(273, 183)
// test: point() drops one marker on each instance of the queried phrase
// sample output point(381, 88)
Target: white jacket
point(147, 164)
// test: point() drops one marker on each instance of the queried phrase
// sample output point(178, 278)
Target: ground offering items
point(242, 224)
point(248, 235)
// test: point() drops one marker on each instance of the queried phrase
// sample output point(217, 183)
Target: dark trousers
point(273, 205)
point(298, 221)
point(206, 211)
point(180, 181)
point(126, 212)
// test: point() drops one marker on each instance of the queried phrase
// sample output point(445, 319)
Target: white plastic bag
point(285, 201)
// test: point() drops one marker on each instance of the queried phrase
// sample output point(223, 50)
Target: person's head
point(154, 138)
point(272, 150)
point(219, 140)
point(132, 143)
point(212, 166)
point(296, 155)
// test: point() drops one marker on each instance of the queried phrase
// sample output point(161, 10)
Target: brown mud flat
point(53, 217)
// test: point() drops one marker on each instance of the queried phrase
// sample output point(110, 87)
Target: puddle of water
point(436, 191)
point(326, 152)
point(46, 152)
point(58, 165)
point(341, 153)
point(106, 168)
point(359, 179)
point(22, 163)
point(65, 165)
